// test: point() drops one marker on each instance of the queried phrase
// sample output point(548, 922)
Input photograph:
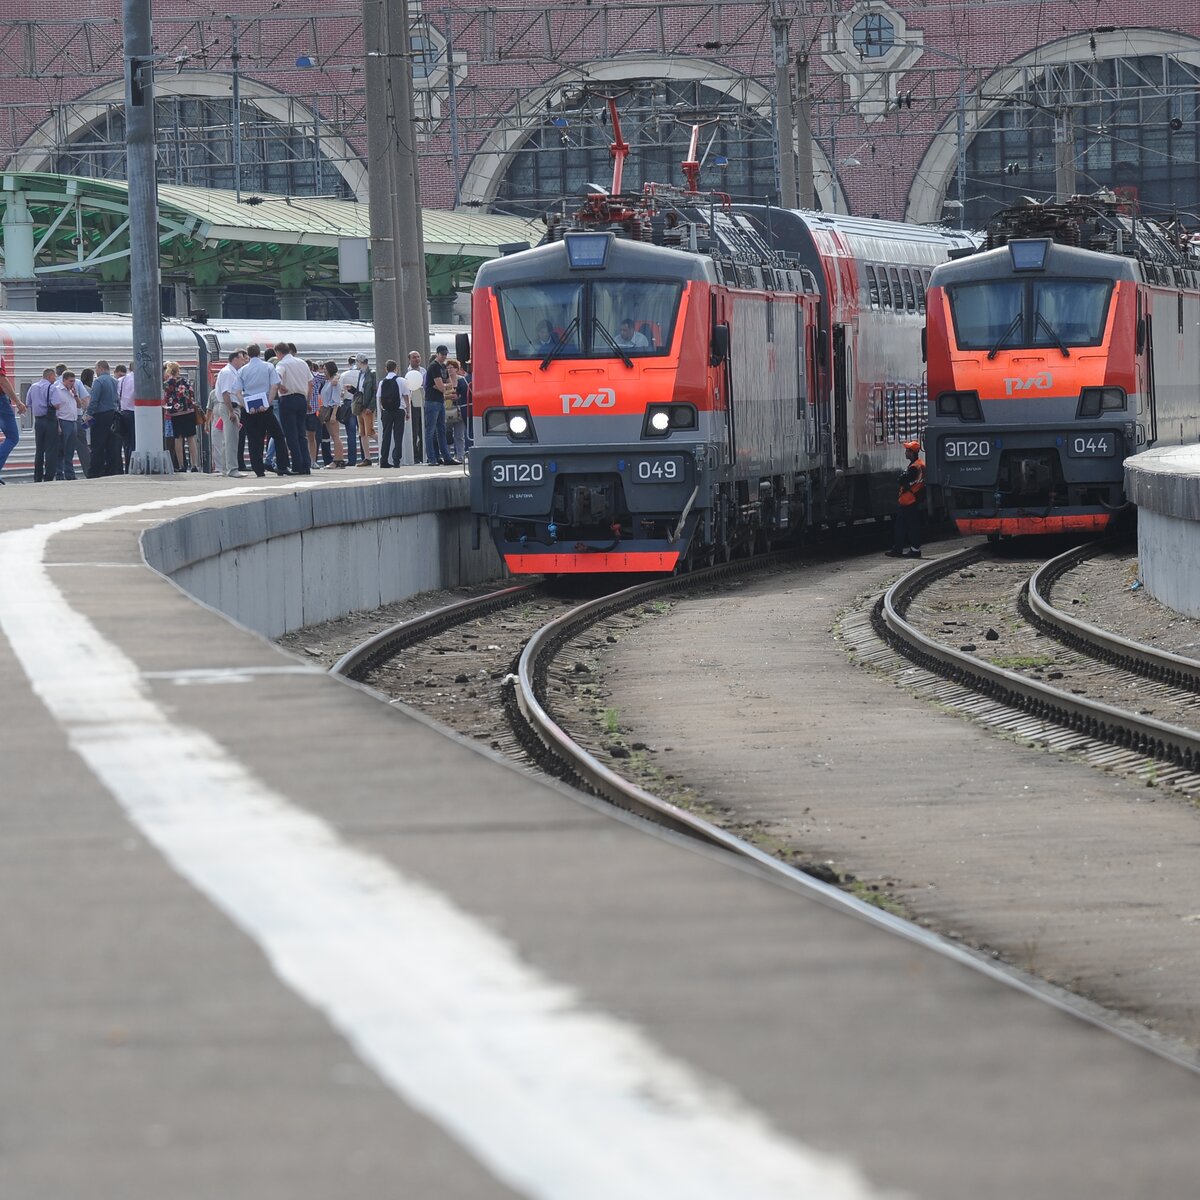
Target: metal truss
point(480, 64)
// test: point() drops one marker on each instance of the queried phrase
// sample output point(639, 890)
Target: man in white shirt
point(128, 419)
point(295, 380)
point(415, 363)
point(45, 427)
point(67, 397)
point(628, 337)
point(225, 420)
point(260, 384)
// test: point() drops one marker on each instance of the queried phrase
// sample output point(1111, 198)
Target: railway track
point(535, 639)
point(534, 629)
point(1128, 705)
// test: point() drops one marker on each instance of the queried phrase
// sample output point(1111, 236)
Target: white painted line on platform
point(561, 1102)
point(230, 674)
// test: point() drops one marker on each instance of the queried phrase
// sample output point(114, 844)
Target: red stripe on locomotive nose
point(1070, 523)
point(580, 564)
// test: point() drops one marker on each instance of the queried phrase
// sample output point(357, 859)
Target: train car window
point(910, 292)
point(873, 286)
point(912, 414)
point(877, 406)
point(639, 314)
point(890, 414)
point(535, 317)
point(1070, 312)
point(897, 289)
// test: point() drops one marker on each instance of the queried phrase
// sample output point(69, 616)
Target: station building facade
point(918, 111)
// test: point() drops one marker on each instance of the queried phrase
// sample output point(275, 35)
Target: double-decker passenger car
point(1067, 345)
point(673, 378)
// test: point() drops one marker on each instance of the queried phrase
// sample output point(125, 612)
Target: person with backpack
point(394, 399)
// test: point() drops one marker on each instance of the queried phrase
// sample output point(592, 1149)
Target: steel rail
point(1156, 739)
point(1161, 665)
point(604, 782)
point(627, 796)
point(631, 798)
point(365, 657)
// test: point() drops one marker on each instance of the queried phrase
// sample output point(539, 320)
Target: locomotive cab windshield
point(589, 318)
point(1027, 314)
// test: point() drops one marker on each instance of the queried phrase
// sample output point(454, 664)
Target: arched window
point(196, 147)
point(1136, 127)
point(571, 147)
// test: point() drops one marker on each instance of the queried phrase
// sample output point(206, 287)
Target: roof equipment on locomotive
point(673, 377)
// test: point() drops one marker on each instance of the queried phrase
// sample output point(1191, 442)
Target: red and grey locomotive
point(1064, 346)
point(672, 378)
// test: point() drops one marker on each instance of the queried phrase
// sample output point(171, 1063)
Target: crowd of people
point(84, 417)
point(282, 412)
point(293, 416)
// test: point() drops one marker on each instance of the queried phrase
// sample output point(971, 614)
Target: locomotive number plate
point(658, 470)
point(516, 474)
point(1091, 445)
point(961, 448)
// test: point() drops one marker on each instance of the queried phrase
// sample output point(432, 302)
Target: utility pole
point(149, 457)
point(409, 231)
point(235, 58)
point(384, 284)
point(785, 125)
point(805, 185)
point(962, 145)
point(1064, 153)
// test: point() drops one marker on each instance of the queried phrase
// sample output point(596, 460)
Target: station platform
point(1164, 483)
point(265, 936)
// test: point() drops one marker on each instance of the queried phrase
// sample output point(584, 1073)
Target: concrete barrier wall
point(1165, 485)
point(1169, 560)
point(300, 558)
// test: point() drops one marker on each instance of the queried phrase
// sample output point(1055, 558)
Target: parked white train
point(32, 341)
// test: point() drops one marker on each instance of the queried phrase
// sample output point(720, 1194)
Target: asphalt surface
point(265, 936)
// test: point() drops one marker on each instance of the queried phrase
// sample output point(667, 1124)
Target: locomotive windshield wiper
point(1013, 326)
point(562, 341)
point(612, 341)
point(1038, 319)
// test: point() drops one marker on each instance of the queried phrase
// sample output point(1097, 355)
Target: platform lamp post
point(149, 456)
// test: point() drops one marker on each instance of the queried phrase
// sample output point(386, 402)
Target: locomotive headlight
point(1094, 401)
point(515, 423)
point(663, 419)
point(964, 405)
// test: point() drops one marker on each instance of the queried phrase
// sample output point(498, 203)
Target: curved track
point(1167, 742)
point(548, 745)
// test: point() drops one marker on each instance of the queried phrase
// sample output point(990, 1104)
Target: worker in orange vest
point(907, 524)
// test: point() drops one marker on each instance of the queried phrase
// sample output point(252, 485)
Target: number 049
point(656, 469)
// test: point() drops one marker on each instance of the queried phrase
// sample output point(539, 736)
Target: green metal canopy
point(215, 238)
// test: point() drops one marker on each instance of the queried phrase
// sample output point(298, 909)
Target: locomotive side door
point(841, 396)
point(1151, 393)
point(726, 370)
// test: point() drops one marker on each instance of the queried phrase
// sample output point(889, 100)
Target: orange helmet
point(913, 447)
